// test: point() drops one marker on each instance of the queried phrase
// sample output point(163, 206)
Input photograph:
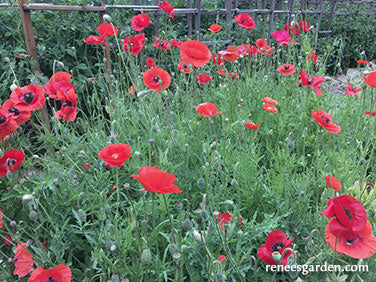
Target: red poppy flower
point(214, 28)
point(230, 54)
point(150, 63)
point(221, 258)
point(28, 98)
point(18, 115)
point(251, 125)
point(184, 68)
point(68, 109)
point(253, 50)
point(134, 44)
point(23, 260)
point(304, 26)
point(7, 123)
point(11, 161)
point(7, 241)
point(1, 217)
point(286, 69)
point(217, 60)
point(86, 166)
point(60, 273)
point(58, 81)
point(204, 78)
point(115, 155)
point(312, 56)
point(325, 120)
point(161, 44)
point(245, 20)
point(313, 82)
point(224, 218)
point(96, 40)
point(139, 22)
point(373, 113)
point(167, 8)
point(222, 71)
point(243, 49)
point(263, 46)
point(132, 89)
point(157, 79)
point(350, 216)
point(269, 108)
point(176, 44)
point(282, 37)
point(371, 79)
point(352, 91)
point(333, 183)
point(233, 74)
point(107, 29)
point(195, 53)
point(361, 247)
point(291, 29)
point(207, 110)
point(276, 241)
point(156, 181)
point(269, 101)
point(362, 62)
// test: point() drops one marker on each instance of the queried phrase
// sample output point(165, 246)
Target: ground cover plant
point(210, 165)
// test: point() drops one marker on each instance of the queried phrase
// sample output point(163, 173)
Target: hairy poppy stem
point(169, 218)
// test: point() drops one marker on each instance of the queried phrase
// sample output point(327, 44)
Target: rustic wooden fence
point(262, 10)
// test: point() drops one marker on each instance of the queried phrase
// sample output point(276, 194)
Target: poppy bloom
point(276, 241)
point(19, 116)
point(214, 28)
point(96, 40)
point(176, 44)
point(60, 273)
point(362, 62)
point(283, 37)
point(132, 89)
point(333, 183)
point(107, 29)
point(195, 53)
point(224, 218)
point(207, 110)
point(251, 125)
point(161, 44)
point(204, 78)
point(86, 166)
point(221, 258)
point(222, 71)
point(245, 20)
point(7, 123)
point(58, 81)
point(243, 49)
point(304, 26)
point(292, 29)
point(11, 161)
point(349, 216)
point(263, 46)
point(139, 22)
point(23, 260)
point(325, 120)
point(253, 50)
point(352, 91)
point(361, 247)
point(233, 74)
point(230, 54)
point(156, 181)
point(371, 79)
point(150, 63)
point(157, 79)
point(269, 108)
point(28, 98)
point(373, 113)
point(134, 44)
point(286, 69)
point(1, 217)
point(184, 68)
point(269, 101)
point(313, 82)
point(312, 56)
point(68, 109)
point(217, 60)
point(167, 8)
point(115, 155)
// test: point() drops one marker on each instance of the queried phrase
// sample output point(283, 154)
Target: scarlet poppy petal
point(333, 182)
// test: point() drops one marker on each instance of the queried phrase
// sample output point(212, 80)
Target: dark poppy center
point(50, 279)
point(244, 21)
point(13, 111)
point(161, 44)
point(286, 67)
point(309, 81)
point(3, 119)
point(347, 212)
point(326, 119)
point(28, 97)
point(68, 104)
point(10, 162)
point(156, 78)
point(277, 246)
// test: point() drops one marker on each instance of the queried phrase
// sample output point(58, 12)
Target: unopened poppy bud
point(144, 223)
point(234, 182)
point(305, 237)
point(215, 213)
point(187, 224)
point(173, 248)
point(176, 257)
point(277, 257)
point(271, 132)
point(229, 202)
point(33, 215)
point(226, 120)
point(115, 278)
point(27, 198)
point(179, 206)
point(204, 214)
point(113, 248)
point(204, 153)
point(201, 183)
point(13, 86)
point(146, 256)
point(60, 65)
point(152, 141)
point(186, 146)
point(300, 58)
point(197, 236)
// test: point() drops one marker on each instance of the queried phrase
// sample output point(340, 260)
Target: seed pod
point(201, 183)
point(146, 256)
point(33, 215)
point(187, 224)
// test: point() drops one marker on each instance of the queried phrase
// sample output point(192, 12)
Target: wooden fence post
point(197, 19)
point(189, 19)
point(156, 20)
point(106, 48)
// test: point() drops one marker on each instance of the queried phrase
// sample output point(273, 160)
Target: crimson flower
point(304, 26)
point(269, 108)
point(371, 79)
point(251, 125)
point(115, 155)
point(283, 37)
point(96, 40)
point(132, 89)
point(207, 110)
point(221, 258)
point(139, 22)
point(176, 44)
point(217, 60)
point(214, 28)
point(333, 183)
point(352, 91)
point(291, 29)
point(312, 56)
point(313, 82)
point(276, 241)
point(253, 50)
point(167, 8)
point(58, 81)
point(286, 69)
point(150, 63)
point(230, 54)
point(86, 166)
point(107, 29)
point(269, 101)
point(11, 161)
point(362, 62)
point(1, 217)
point(184, 68)
point(18, 115)
point(195, 53)
point(233, 74)
point(263, 46)
point(161, 44)
point(157, 79)
point(68, 108)
point(373, 113)
point(155, 180)
point(204, 78)
point(325, 120)
point(222, 71)
point(224, 218)
point(7, 123)
point(134, 44)
point(60, 273)
point(245, 20)
point(23, 260)
point(243, 49)
point(28, 98)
